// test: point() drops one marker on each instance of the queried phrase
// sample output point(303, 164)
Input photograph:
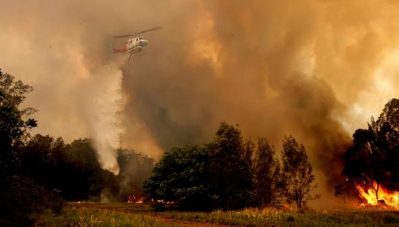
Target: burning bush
point(376, 194)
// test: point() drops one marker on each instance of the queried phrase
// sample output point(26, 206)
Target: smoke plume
point(313, 69)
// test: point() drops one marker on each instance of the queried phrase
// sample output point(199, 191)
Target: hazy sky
point(313, 69)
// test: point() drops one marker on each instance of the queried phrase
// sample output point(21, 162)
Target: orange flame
point(383, 195)
point(135, 199)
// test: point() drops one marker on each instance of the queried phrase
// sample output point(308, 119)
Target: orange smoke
point(377, 194)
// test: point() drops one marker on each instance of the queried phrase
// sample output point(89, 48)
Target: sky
point(316, 70)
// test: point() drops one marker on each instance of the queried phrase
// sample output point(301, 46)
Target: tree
point(383, 147)
point(70, 169)
point(87, 180)
point(13, 126)
point(15, 205)
point(135, 168)
point(297, 172)
point(230, 175)
point(248, 151)
point(182, 177)
point(373, 158)
point(267, 176)
point(216, 176)
point(42, 158)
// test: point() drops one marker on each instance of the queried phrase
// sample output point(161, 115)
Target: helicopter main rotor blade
point(138, 33)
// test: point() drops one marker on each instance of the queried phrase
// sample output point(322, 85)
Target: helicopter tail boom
point(119, 50)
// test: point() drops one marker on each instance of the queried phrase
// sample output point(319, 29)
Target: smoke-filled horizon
point(313, 69)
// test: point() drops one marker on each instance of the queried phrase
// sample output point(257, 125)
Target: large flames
point(378, 195)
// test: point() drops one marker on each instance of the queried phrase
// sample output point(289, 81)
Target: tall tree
point(182, 176)
point(42, 158)
point(297, 172)
point(248, 151)
point(230, 173)
point(267, 174)
point(90, 180)
point(14, 126)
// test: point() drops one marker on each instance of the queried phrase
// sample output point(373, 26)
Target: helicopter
point(134, 44)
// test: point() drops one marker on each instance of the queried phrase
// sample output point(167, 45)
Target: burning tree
point(297, 172)
point(372, 161)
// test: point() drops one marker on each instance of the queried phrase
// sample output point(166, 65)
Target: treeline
point(73, 171)
point(230, 173)
point(41, 172)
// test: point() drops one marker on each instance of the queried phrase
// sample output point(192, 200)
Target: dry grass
point(122, 214)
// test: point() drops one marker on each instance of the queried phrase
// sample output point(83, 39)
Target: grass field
point(123, 214)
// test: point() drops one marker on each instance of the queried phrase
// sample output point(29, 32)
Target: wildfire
point(135, 199)
point(377, 194)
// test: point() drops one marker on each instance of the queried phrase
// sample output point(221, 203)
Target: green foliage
point(217, 176)
point(13, 128)
point(267, 175)
point(181, 176)
point(89, 179)
point(297, 172)
point(19, 196)
point(230, 175)
point(247, 152)
point(72, 169)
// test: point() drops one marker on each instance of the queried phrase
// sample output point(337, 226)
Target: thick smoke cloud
point(314, 69)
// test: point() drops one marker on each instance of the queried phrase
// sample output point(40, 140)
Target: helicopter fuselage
point(132, 45)
point(137, 43)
